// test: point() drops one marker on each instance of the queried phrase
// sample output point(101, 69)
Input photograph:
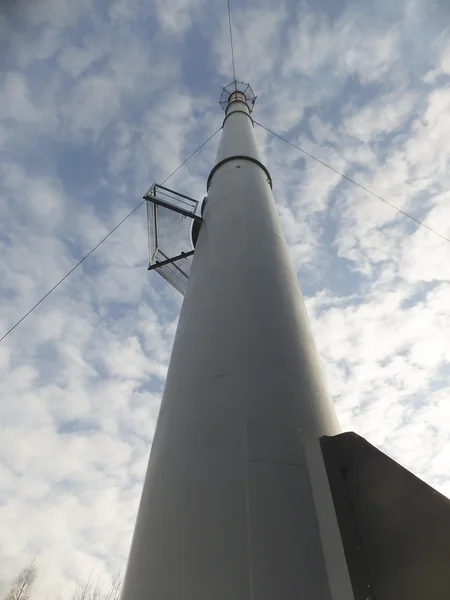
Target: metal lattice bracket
point(238, 86)
point(173, 222)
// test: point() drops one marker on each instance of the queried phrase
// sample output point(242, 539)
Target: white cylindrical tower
point(229, 509)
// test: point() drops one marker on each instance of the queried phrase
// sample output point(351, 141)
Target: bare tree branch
point(21, 588)
point(94, 590)
point(116, 587)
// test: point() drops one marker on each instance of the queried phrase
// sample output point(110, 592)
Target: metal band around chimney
point(244, 112)
point(231, 102)
point(239, 157)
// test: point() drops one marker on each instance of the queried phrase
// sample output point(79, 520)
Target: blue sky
point(98, 100)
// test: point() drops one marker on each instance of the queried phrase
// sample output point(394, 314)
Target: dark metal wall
point(395, 528)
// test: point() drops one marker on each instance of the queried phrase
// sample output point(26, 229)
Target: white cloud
point(15, 100)
point(41, 48)
point(353, 44)
point(178, 15)
point(81, 378)
point(369, 53)
point(385, 116)
point(59, 13)
point(95, 102)
point(75, 60)
point(255, 28)
point(442, 66)
point(45, 197)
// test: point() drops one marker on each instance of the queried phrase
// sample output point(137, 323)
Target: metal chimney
point(228, 508)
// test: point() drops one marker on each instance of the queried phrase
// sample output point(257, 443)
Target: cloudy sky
point(98, 100)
